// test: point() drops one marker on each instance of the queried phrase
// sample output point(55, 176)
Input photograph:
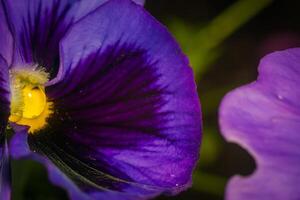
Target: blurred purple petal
point(6, 41)
point(127, 117)
point(264, 118)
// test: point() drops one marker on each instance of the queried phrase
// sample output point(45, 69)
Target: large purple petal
point(4, 113)
point(6, 41)
point(37, 27)
point(127, 115)
point(264, 117)
point(83, 8)
point(19, 149)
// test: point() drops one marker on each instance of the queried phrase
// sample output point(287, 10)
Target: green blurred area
point(224, 41)
point(203, 46)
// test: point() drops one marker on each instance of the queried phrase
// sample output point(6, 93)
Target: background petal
point(263, 117)
point(127, 109)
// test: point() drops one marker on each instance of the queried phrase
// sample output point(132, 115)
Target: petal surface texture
point(127, 119)
point(6, 41)
point(5, 177)
point(4, 96)
point(83, 8)
point(37, 27)
point(264, 118)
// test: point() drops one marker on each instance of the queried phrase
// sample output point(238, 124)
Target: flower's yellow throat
point(29, 105)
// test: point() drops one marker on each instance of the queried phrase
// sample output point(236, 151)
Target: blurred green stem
point(209, 183)
point(230, 20)
point(220, 28)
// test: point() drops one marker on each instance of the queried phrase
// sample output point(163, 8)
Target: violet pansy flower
point(264, 118)
point(101, 94)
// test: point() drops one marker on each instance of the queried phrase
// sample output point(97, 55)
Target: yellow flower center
point(34, 102)
point(29, 105)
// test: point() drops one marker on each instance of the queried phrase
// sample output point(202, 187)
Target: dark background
point(274, 28)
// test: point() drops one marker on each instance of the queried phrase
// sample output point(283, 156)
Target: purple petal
point(5, 177)
point(37, 27)
point(141, 2)
point(4, 96)
point(6, 41)
point(5, 173)
point(19, 149)
point(127, 109)
point(83, 8)
point(264, 118)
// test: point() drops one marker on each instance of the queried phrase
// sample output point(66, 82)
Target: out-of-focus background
point(224, 40)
